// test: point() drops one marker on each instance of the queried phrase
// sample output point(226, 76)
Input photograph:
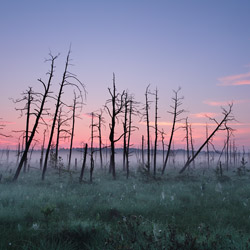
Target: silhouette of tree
point(117, 105)
point(222, 125)
point(176, 113)
point(39, 113)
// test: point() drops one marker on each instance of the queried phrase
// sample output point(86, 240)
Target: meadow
point(199, 209)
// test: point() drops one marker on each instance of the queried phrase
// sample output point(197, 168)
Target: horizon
point(201, 47)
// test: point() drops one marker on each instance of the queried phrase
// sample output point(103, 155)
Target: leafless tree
point(71, 80)
point(132, 110)
point(227, 116)
point(92, 147)
point(176, 113)
point(186, 127)
point(84, 162)
point(39, 113)
point(163, 144)
point(208, 156)
point(117, 104)
point(77, 104)
point(62, 128)
point(146, 115)
point(99, 127)
point(191, 142)
point(156, 129)
point(125, 129)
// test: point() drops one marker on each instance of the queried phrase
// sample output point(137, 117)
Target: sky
point(201, 46)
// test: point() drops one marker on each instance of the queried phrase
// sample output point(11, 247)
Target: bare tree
point(163, 144)
point(77, 104)
point(147, 107)
point(99, 127)
point(66, 81)
point(61, 129)
point(39, 113)
point(176, 113)
point(92, 147)
point(83, 163)
point(186, 127)
point(227, 116)
point(125, 129)
point(117, 104)
point(156, 128)
point(132, 110)
point(208, 156)
point(191, 142)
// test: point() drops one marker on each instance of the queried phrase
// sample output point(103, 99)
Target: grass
point(193, 211)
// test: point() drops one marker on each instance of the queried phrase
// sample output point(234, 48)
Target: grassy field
point(197, 210)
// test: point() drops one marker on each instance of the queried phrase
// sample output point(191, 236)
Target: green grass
point(191, 211)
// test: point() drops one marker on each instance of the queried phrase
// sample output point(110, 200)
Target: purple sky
point(202, 46)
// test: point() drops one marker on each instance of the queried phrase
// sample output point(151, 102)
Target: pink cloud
point(204, 114)
point(235, 80)
point(244, 82)
point(225, 103)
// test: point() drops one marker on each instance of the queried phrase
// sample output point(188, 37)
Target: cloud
point(204, 114)
point(225, 103)
point(235, 80)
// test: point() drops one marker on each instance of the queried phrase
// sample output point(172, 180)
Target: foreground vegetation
point(198, 210)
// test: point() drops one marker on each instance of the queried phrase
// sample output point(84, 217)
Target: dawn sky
point(201, 46)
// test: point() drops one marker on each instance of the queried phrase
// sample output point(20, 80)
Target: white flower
point(35, 226)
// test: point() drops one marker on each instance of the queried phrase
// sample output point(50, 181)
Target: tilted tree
point(39, 111)
point(68, 79)
point(176, 113)
point(29, 97)
point(227, 116)
point(117, 103)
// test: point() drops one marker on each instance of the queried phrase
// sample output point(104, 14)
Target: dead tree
point(207, 146)
point(99, 127)
point(125, 129)
point(229, 134)
point(83, 163)
point(66, 81)
point(176, 113)
point(156, 129)
point(163, 145)
point(39, 113)
point(61, 128)
point(77, 104)
point(191, 142)
point(117, 104)
point(92, 147)
point(28, 98)
point(186, 127)
point(227, 116)
point(132, 110)
point(147, 106)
